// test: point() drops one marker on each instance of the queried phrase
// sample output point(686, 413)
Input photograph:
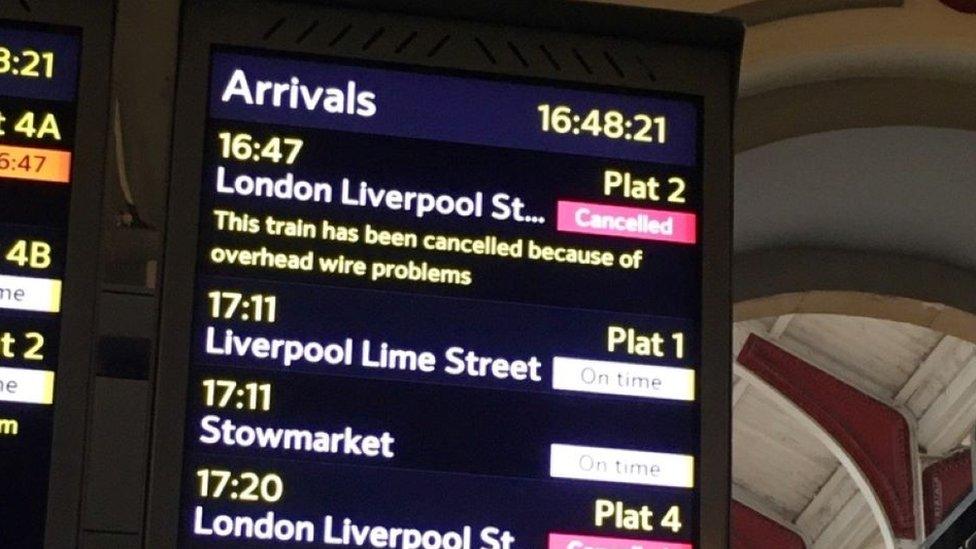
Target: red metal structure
point(876, 436)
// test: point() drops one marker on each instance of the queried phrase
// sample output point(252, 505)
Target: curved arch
point(900, 288)
point(805, 72)
point(783, 113)
point(920, 40)
point(758, 12)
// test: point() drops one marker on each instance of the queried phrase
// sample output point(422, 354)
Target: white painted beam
point(741, 332)
point(950, 353)
point(780, 326)
point(759, 504)
point(739, 390)
point(925, 369)
point(950, 418)
point(918, 493)
point(827, 504)
point(852, 527)
point(873, 502)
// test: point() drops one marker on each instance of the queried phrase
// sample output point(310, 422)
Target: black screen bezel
point(205, 25)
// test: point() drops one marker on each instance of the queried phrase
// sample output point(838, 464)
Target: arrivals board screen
point(443, 310)
point(38, 88)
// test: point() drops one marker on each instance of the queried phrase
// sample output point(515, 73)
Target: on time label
point(24, 293)
point(624, 466)
point(622, 378)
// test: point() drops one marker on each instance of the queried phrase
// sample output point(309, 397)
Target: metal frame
point(95, 18)
point(672, 41)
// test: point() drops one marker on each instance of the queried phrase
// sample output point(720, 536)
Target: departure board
point(38, 89)
point(442, 310)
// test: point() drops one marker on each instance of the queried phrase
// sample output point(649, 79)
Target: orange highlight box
point(35, 164)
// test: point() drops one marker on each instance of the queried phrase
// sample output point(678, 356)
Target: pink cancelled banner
point(571, 541)
point(626, 222)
